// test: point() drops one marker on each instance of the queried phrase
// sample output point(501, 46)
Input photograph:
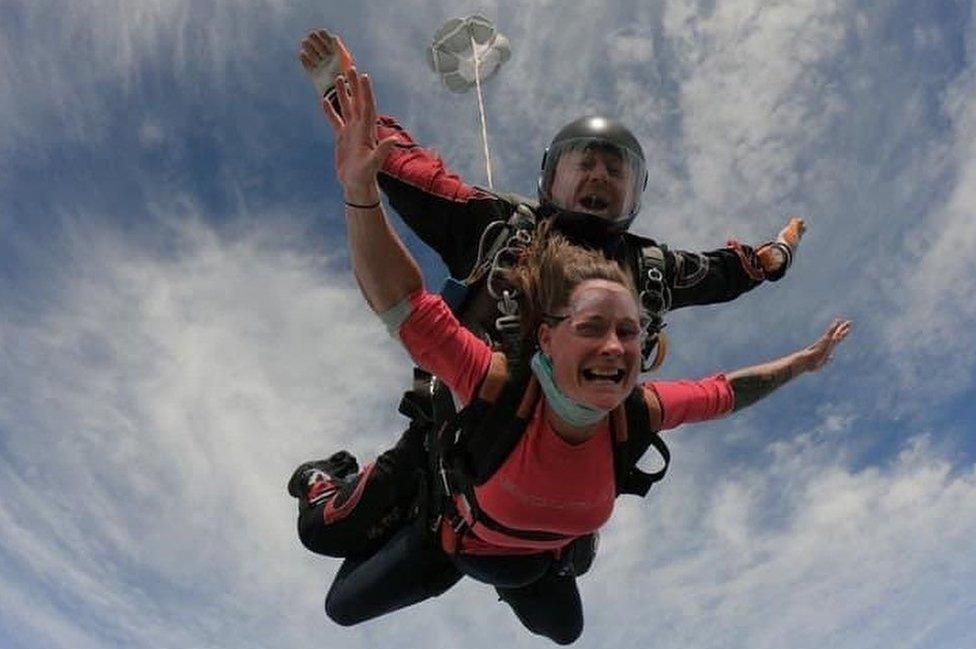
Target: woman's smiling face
point(595, 344)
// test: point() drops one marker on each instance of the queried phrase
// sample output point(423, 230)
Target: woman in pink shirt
point(581, 321)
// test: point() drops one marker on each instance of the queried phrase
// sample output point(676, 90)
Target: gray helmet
point(602, 174)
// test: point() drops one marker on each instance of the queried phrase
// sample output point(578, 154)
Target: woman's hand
point(358, 154)
point(820, 352)
point(751, 384)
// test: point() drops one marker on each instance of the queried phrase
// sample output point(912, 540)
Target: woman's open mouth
point(615, 376)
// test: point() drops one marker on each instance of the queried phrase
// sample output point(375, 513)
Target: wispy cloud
point(798, 552)
point(157, 407)
point(160, 380)
point(161, 401)
point(936, 287)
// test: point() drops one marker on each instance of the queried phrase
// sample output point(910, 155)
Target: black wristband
point(786, 251)
point(362, 207)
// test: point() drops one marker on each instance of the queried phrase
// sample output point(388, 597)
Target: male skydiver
point(590, 185)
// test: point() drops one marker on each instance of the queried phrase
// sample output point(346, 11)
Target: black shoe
point(319, 479)
point(410, 446)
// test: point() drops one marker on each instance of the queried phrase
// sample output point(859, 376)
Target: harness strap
point(655, 300)
point(639, 482)
point(476, 516)
point(631, 479)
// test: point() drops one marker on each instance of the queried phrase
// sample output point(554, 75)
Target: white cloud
point(153, 414)
point(156, 394)
point(68, 69)
point(800, 552)
point(752, 97)
point(630, 46)
point(936, 289)
point(161, 395)
point(151, 133)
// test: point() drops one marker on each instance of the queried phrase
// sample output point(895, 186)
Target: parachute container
point(467, 51)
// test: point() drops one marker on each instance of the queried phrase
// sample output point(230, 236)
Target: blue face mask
point(574, 414)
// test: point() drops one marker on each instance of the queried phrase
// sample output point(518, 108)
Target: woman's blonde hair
point(548, 272)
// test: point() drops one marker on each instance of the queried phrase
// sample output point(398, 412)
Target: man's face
point(595, 181)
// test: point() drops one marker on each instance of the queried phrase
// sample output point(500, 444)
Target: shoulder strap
point(476, 441)
point(631, 445)
point(655, 298)
point(518, 200)
point(489, 440)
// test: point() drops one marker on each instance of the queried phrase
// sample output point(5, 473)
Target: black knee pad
point(340, 612)
point(567, 634)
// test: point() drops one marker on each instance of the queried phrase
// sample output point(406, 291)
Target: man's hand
point(772, 257)
point(324, 56)
point(792, 232)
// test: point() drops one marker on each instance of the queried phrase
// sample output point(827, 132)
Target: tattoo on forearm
point(750, 388)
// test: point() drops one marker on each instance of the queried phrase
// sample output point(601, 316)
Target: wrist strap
point(787, 252)
point(359, 206)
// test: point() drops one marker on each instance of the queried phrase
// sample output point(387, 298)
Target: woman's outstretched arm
point(751, 384)
point(673, 403)
point(385, 270)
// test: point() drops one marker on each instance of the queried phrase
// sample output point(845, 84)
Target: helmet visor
point(593, 176)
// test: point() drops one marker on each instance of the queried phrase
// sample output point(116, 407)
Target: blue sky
point(178, 327)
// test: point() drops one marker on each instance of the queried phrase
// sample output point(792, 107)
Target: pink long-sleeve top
point(546, 483)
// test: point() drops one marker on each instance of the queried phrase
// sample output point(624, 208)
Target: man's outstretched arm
point(724, 274)
point(447, 213)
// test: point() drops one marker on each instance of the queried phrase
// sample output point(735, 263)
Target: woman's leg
point(550, 606)
point(540, 589)
point(510, 571)
point(408, 569)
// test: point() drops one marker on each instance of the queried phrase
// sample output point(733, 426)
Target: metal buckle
point(444, 480)
point(508, 307)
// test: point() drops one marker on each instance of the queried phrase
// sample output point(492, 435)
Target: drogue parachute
point(465, 53)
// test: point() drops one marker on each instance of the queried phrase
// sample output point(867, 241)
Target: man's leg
point(343, 511)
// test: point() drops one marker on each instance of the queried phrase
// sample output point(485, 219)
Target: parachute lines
point(481, 111)
point(466, 52)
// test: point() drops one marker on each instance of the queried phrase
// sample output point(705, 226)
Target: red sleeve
point(448, 214)
point(685, 402)
point(422, 168)
point(443, 346)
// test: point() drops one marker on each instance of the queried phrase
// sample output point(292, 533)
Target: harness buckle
point(444, 480)
point(508, 307)
point(460, 525)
